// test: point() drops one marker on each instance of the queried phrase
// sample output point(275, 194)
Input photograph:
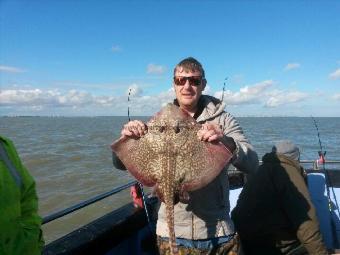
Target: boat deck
point(126, 230)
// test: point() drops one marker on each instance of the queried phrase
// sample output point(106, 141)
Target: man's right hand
point(134, 129)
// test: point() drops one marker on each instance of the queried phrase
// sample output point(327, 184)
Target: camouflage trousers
point(231, 247)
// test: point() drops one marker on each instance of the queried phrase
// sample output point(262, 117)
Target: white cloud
point(319, 92)
point(155, 69)
point(281, 97)
point(11, 69)
point(76, 102)
point(335, 75)
point(55, 98)
point(134, 90)
point(115, 48)
point(207, 90)
point(75, 98)
point(291, 66)
point(336, 97)
point(237, 78)
point(261, 93)
point(247, 95)
point(145, 105)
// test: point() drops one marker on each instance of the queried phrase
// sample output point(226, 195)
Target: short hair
point(190, 64)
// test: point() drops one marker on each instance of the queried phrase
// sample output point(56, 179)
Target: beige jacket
point(206, 215)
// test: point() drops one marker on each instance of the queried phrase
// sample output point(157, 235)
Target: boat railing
point(85, 203)
point(115, 190)
point(313, 161)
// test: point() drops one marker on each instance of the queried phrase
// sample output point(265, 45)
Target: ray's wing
point(200, 162)
point(136, 156)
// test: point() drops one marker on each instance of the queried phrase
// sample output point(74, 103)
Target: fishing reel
point(320, 161)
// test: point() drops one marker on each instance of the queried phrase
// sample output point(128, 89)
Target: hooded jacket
point(275, 210)
point(19, 220)
point(206, 215)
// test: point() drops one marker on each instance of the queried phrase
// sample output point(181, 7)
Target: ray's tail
point(169, 207)
point(169, 199)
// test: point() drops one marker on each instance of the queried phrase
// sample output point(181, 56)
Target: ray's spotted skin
point(171, 155)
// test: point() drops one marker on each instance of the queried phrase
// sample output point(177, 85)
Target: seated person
point(274, 213)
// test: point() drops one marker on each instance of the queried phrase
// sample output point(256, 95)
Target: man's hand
point(134, 129)
point(210, 133)
point(214, 133)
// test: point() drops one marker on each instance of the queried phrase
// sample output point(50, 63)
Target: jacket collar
point(208, 107)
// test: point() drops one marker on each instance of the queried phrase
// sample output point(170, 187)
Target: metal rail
point(326, 161)
point(76, 207)
point(99, 197)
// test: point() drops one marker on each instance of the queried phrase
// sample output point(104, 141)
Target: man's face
point(188, 91)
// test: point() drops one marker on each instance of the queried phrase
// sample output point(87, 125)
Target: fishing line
point(139, 184)
point(328, 183)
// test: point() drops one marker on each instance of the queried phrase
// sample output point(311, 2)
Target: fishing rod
point(140, 185)
point(225, 80)
point(221, 100)
point(129, 104)
point(322, 154)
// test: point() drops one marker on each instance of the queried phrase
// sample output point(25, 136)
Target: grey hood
point(213, 107)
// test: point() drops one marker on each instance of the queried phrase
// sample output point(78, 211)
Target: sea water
point(71, 160)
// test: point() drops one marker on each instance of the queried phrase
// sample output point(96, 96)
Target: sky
point(80, 58)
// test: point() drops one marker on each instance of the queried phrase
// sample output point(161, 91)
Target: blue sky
point(75, 58)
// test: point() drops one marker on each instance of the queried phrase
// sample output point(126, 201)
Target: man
point(274, 213)
point(202, 224)
point(19, 221)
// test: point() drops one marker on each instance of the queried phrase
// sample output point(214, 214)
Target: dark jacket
point(275, 210)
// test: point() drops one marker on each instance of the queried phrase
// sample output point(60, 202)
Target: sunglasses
point(193, 80)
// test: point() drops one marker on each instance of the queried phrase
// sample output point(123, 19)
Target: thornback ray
point(171, 156)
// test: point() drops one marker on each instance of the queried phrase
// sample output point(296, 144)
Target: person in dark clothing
point(274, 213)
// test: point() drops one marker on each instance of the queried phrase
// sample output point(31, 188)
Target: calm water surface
point(70, 157)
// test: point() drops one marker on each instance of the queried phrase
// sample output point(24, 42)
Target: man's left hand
point(210, 133)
